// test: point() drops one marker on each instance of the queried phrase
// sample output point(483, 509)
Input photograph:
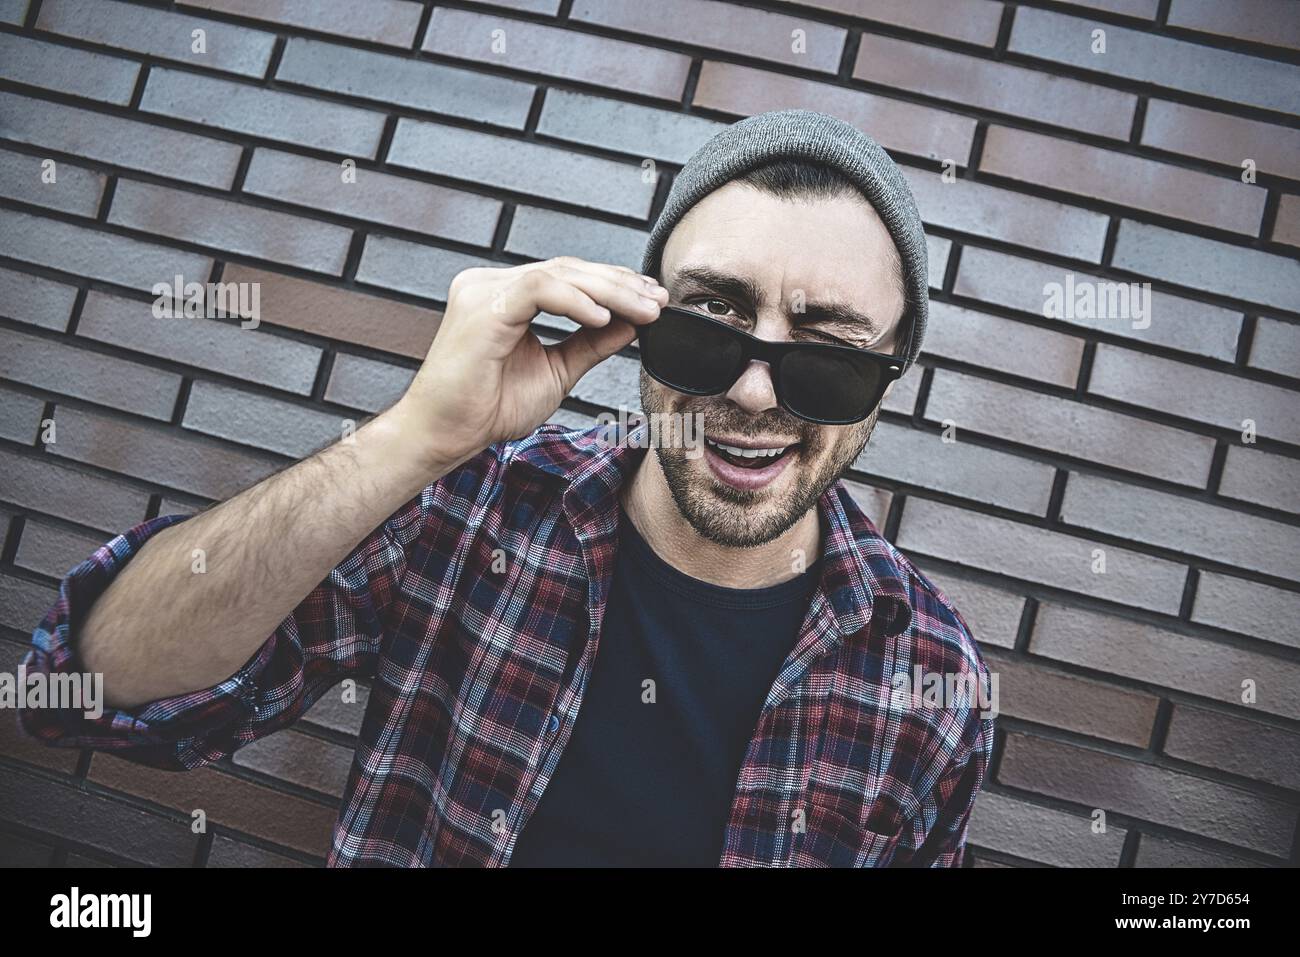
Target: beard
point(748, 518)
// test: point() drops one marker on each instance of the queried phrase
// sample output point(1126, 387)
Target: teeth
point(747, 453)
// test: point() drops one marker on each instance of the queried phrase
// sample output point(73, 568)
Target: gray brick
point(1209, 265)
point(288, 117)
point(412, 267)
point(113, 139)
point(1276, 347)
point(35, 300)
point(544, 233)
point(365, 384)
point(402, 81)
point(1218, 137)
point(1022, 284)
point(1203, 395)
point(1039, 555)
point(1007, 345)
point(231, 227)
point(20, 416)
point(75, 189)
point(249, 354)
point(52, 550)
point(992, 614)
point(922, 458)
point(1164, 61)
point(1248, 608)
point(612, 383)
point(522, 167)
point(1070, 428)
point(1017, 827)
point(1262, 478)
point(53, 66)
point(873, 501)
point(94, 254)
point(626, 127)
point(300, 759)
point(937, 251)
point(227, 852)
point(1158, 852)
point(332, 712)
point(1155, 656)
point(972, 21)
point(392, 22)
point(24, 603)
point(903, 393)
point(13, 11)
point(250, 419)
point(93, 376)
point(1235, 744)
point(43, 484)
point(160, 33)
point(1258, 21)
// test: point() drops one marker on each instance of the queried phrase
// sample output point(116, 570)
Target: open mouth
point(747, 458)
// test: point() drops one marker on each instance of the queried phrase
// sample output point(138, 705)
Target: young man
point(580, 651)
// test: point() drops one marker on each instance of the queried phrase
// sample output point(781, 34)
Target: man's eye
point(716, 307)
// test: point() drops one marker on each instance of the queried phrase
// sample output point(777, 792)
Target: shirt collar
point(861, 578)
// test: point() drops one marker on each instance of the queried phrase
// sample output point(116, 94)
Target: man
point(581, 651)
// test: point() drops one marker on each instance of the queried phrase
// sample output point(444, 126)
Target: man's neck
point(650, 505)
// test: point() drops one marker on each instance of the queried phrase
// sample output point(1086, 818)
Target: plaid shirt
point(475, 612)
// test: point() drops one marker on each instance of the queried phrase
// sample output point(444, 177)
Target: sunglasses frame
point(764, 350)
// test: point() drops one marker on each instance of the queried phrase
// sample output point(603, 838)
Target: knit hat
point(816, 137)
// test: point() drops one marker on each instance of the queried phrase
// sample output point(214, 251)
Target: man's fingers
point(632, 300)
point(583, 349)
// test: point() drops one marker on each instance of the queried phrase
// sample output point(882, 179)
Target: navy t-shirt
point(648, 776)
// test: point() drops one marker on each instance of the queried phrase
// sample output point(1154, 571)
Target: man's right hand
point(488, 378)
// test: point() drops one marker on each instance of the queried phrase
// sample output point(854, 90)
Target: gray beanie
point(815, 137)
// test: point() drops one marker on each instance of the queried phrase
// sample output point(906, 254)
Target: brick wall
point(1075, 437)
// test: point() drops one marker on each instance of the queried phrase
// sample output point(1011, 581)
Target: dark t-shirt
point(651, 784)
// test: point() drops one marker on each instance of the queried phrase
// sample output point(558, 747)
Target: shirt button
point(554, 724)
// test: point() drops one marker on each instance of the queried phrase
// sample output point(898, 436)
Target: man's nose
point(754, 391)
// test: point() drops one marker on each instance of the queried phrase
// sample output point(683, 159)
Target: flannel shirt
point(475, 612)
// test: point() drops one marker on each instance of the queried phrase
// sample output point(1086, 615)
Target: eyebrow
point(745, 292)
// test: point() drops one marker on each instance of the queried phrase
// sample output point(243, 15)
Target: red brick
point(553, 51)
point(75, 189)
point(1235, 744)
point(1118, 178)
point(898, 126)
point(44, 484)
point(1248, 608)
point(53, 550)
point(36, 300)
point(971, 21)
point(1000, 87)
point(992, 613)
point(1260, 21)
point(992, 342)
point(1157, 656)
point(1017, 827)
point(1208, 135)
point(1116, 784)
point(391, 22)
point(706, 23)
point(300, 759)
point(52, 66)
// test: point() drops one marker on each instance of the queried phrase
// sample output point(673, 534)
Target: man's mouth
point(749, 457)
point(747, 464)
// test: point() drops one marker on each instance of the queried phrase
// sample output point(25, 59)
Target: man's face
point(771, 267)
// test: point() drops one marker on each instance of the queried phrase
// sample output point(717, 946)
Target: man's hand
point(487, 378)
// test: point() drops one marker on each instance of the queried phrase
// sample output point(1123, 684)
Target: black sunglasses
point(816, 381)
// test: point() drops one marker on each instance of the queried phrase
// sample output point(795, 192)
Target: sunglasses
point(815, 381)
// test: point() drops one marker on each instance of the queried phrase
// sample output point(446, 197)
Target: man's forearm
point(162, 629)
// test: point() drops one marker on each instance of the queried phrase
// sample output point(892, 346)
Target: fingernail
point(649, 303)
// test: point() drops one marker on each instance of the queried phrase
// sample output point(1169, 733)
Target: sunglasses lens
point(829, 386)
point(690, 354)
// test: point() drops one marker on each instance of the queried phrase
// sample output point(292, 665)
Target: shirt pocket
point(832, 840)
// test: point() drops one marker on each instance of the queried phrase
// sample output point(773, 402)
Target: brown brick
point(971, 21)
point(53, 550)
point(1150, 58)
point(1254, 476)
point(1286, 228)
point(52, 66)
point(160, 33)
point(1208, 135)
point(93, 253)
point(903, 127)
point(201, 468)
point(212, 344)
point(75, 189)
point(921, 457)
point(124, 143)
point(1144, 653)
point(1006, 345)
point(260, 422)
point(1070, 428)
point(1001, 87)
point(1235, 744)
point(231, 227)
point(1017, 827)
point(365, 384)
point(374, 196)
point(300, 759)
point(992, 613)
point(1031, 691)
point(391, 22)
point(1039, 555)
point(706, 23)
point(102, 823)
point(1260, 21)
point(1276, 347)
point(1023, 284)
point(227, 852)
point(1203, 395)
point(241, 108)
point(1115, 177)
point(553, 51)
point(1248, 608)
point(36, 300)
point(1113, 783)
point(44, 484)
point(1000, 214)
point(641, 131)
point(227, 801)
point(20, 415)
point(93, 376)
point(414, 268)
point(24, 603)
